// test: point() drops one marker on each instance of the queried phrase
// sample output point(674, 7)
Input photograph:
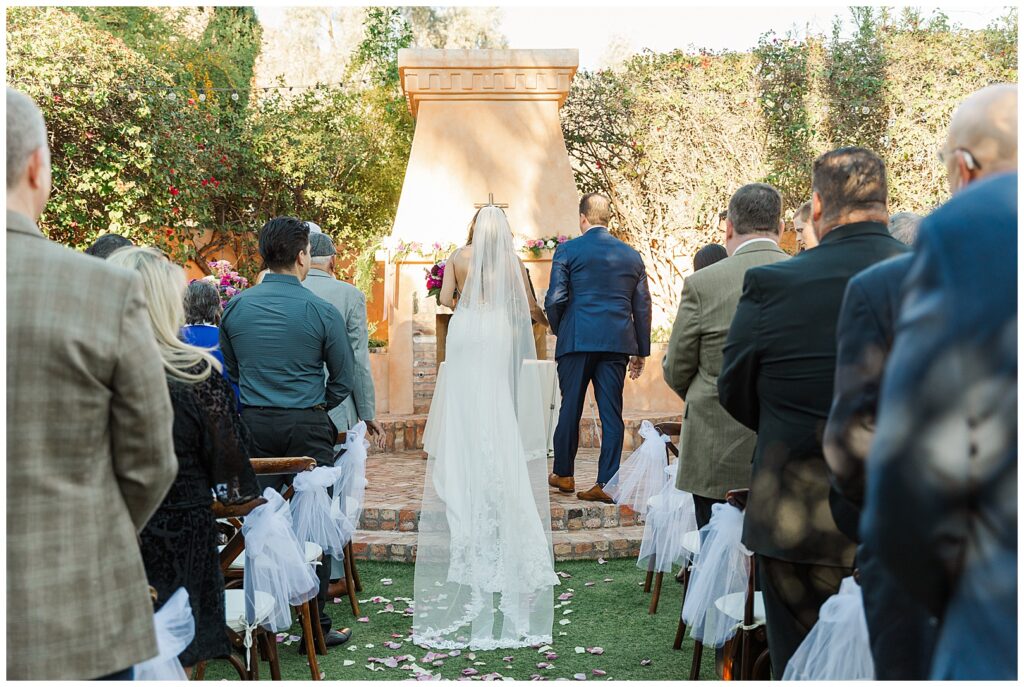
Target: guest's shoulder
point(991, 201)
point(885, 272)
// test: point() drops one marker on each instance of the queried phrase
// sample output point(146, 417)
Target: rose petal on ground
point(390, 662)
point(508, 659)
point(579, 676)
point(470, 671)
point(437, 663)
point(580, 650)
point(645, 662)
point(387, 581)
point(589, 584)
point(393, 645)
point(281, 637)
point(348, 663)
point(471, 656)
point(563, 575)
point(353, 648)
point(337, 600)
point(364, 619)
point(563, 634)
point(551, 655)
point(598, 672)
point(601, 561)
point(541, 648)
point(536, 678)
point(455, 652)
point(369, 646)
point(395, 635)
point(542, 665)
point(479, 663)
point(567, 611)
point(565, 597)
point(377, 600)
point(608, 579)
point(564, 621)
point(596, 650)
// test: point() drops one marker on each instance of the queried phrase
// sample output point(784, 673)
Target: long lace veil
point(484, 566)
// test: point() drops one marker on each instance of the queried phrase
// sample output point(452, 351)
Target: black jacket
point(777, 377)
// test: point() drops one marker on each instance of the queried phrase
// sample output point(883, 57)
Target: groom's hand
point(636, 367)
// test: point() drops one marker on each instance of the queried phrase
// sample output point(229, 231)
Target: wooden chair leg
point(318, 631)
point(273, 658)
point(307, 634)
point(237, 664)
point(350, 578)
point(254, 663)
point(355, 572)
point(657, 593)
point(199, 671)
point(698, 650)
point(681, 628)
point(647, 581)
point(762, 667)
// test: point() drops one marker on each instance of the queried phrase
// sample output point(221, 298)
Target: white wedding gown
point(484, 563)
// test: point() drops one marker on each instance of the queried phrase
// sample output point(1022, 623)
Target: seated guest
point(202, 321)
point(903, 226)
point(179, 544)
point(107, 244)
point(709, 255)
point(89, 448)
point(778, 368)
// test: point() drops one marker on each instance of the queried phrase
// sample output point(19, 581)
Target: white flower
point(550, 243)
point(785, 106)
point(865, 109)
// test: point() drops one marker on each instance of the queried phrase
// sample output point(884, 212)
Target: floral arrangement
point(435, 277)
point(227, 280)
point(535, 246)
point(401, 249)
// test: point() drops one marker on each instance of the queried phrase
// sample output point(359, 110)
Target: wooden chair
point(669, 429)
point(351, 573)
point(751, 632)
point(233, 575)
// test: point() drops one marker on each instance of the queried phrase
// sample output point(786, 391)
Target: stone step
point(582, 544)
point(404, 433)
point(564, 518)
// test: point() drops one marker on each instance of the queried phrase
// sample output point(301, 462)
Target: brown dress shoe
point(595, 493)
point(339, 588)
point(566, 485)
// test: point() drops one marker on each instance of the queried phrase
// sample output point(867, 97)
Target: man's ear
point(816, 207)
point(34, 168)
point(782, 226)
point(729, 229)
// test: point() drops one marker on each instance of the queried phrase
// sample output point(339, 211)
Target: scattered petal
point(591, 584)
point(542, 664)
point(598, 672)
point(536, 678)
point(294, 638)
point(455, 652)
point(470, 671)
point(596, 650)
point(387, 582)
point(348, 663)
point(542, 648)
point(579, 676)
point(608, 579)
point(563, 634)
point(337, 600)
point(471, 656)
point(479, 663)
point(364, 619)
point(391, 662)
point(508, 659)
point(565, 597)
point(601, 561)
point(580, 650)
point(393, 645)
point(353, 648)
point(567, 611)
point(563, 575)
point(564, 621)
point(395, 635)
point(437, 663)
point(377, 600)
point(369, 646)
point(645, 662)
point(551, 655)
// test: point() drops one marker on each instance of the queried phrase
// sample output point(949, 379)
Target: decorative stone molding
point(486, 75)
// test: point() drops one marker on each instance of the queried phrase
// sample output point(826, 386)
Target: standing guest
point(778, 370)
point(179, 544)
point(901, 630)
point(89, 448)
point(709, 255)
point(903, 227)
point(599, 307)
point(943, 464)
point(805, 236)
point(202, 322)
point(276, 338)
point(107, 244)
point(351, 305)
point(714, 448)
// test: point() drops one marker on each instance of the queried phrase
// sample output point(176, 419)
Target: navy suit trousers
point(576, 371)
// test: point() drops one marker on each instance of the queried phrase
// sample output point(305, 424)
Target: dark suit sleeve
point(918, 484)
point(557, 298)
point(737, 381)
point(227, 350)
point(862, 348)
point(642, 313)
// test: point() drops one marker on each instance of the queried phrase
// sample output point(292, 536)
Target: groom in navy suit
point(600, 310)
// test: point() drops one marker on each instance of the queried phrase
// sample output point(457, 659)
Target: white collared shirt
point(747, 243)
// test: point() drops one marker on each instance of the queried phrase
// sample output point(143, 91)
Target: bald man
point(940, 510)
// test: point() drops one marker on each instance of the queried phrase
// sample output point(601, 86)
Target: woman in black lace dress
point(179, 545)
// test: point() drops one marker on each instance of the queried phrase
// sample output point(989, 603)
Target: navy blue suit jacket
point(941, 502)
point(598, 301)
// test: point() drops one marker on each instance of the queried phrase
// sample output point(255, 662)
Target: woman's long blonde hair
point(163, 284)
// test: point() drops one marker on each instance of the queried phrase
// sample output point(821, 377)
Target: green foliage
point(855, 83)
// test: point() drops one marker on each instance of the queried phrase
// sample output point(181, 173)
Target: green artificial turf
point(610, 615)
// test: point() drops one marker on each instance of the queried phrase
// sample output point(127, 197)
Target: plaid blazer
point(90, 457)
point(714, 449)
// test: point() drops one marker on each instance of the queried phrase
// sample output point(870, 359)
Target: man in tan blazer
point(89, 449)
point(715, 450)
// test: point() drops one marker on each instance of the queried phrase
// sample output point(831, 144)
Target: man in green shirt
point(276, 338)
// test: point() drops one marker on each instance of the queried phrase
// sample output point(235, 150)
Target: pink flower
point(562, 238)
point(225, 280)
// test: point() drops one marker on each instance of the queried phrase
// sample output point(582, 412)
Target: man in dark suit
point(901, 629)
point(777, 375)
point(599, 307)
point(941, 505)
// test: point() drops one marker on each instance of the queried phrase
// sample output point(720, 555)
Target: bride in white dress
point(484, 563)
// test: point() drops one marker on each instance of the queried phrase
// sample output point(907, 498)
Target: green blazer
point(714, 450)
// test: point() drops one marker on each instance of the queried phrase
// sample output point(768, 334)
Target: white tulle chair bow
point(275, 562)
point(642, 475)
point(314, 517)
point(722, 568)
point(838, 646)
point(175, 629)
point(350, 488)
point(670, 517)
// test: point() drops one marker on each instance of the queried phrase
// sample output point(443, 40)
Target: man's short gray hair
point(903, 227)
point(26, 133)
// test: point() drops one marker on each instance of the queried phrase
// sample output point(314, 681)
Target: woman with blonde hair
point(179, 545)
